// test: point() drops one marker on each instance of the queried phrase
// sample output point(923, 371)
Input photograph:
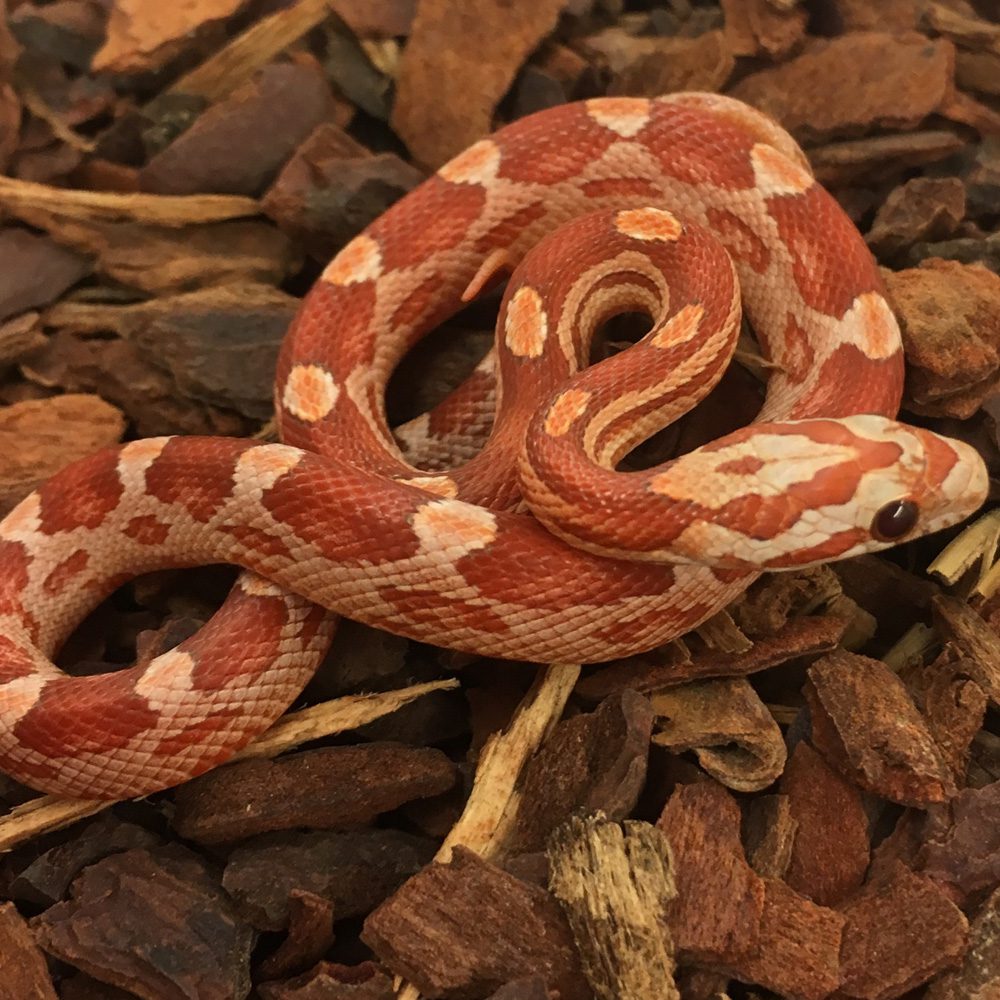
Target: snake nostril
point(895, 520)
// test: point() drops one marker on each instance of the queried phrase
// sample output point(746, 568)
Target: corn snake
point(679, 207)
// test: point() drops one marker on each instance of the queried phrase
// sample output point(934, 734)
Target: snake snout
point(955, 481)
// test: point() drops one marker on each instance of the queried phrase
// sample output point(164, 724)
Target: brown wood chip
point(865, 724)
point(463, 929)
point(467, 56)
point(329, 788)
point(23, 971)
point(716, 916)
point(898, 934)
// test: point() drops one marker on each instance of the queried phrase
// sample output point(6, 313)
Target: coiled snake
point(678, 207)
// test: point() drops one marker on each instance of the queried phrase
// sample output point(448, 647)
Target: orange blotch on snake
point(190, 474)
point(257, 540)
point(310, 393)
point(359, 261)
point(776, 175)
point(259, 586)
point(824, 551)
point(15, 662)
point(739, 239)
point(477, 165)
point(61, 575)
point(76, 715)
point(147, 530)
point(795, 354)
point(431, 608)
point(525, 325)
point(63, 509)
point(23, 518)
point(681, 327)
point(568, 406)
point(446, 215)
point(442, 486)
point(228, 728)
point(649, 224)
point(626, 116)
point(166, 677)
point(871, 325)
point(495, 241)
point(749, 465)
point(144, 452)
point(417, 304)
point(453, 528)
point(261, 467)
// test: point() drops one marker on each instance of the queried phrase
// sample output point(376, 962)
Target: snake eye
point(895, 520)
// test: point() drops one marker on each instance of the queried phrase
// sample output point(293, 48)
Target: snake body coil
point(680, 207)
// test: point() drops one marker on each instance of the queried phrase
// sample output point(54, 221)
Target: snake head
point(803, 492)
point(871, 483)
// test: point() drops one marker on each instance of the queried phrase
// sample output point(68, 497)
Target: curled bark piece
point(729, 728)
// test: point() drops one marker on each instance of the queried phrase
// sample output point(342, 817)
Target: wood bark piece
point(72, 32)
point(733, 735)
point(47, 878)
point(874, 158)
point(590, 763)
point(978, 978)
point(332, 187)
point(327, 788)
point(762, 27)
point(648, 67)
point(467, 54)
point(530, 988)
point(84, 987)
point(981, 645)
point(24, 974)
point(924, 208)
point(493, 802)
point(866, 725)
point(889, 15)
point(330, 981)
point(166, 259)
point(355, 870)
point(35, 270)
point(716, 916)
point(949, 315)
point(829, 855)
point(238, 145)
point(143, 36)
point(953, 704)
point(913, 82)
point(461, 930)
point(40, 437)
point(310, 936)
point(19, 337)
point(769, 831)
point(376, 18)
point(236, 62)
point(799, 955)
point(218, 344)
point(615, 884)
point(898, 934)
point(978, 71)
point(158, 209)
point(806, 636)
point(168, 954)
point(76, 363)
point(962, 841)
